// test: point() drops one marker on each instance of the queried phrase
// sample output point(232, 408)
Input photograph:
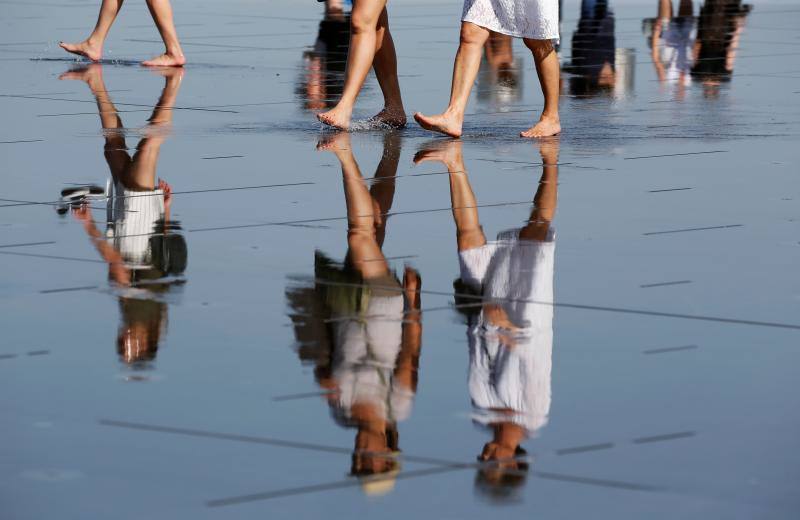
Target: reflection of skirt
point(535, 19)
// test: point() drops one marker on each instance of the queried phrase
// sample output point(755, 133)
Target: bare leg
point(363, 42)
point(685, 8)
point(385, 66)
point(161, 11)
point(92, 47)
point(465, 69)
point(664, 9)
point(549, 72)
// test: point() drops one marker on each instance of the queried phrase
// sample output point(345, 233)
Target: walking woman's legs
point(161, 11)
point(363, 42)
point(385, 66)
point(92, 47)
point(549, 71)
point(465, 69)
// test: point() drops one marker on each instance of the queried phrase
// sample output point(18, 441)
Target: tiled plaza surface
point(226, 348)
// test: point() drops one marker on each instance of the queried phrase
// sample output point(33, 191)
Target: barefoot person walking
point(160, 10)
point(536, 22)
point(371, 45)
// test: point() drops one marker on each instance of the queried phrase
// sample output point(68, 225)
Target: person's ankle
point(550, 116)
point(454, 113)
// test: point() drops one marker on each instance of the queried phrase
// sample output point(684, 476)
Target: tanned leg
point(465, 70)
point(363, 42)
point(549, 71)
point(92, 47)
point(385, 67)
point(161, 11)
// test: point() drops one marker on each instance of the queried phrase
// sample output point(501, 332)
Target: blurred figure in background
point(671, 42)
point(719, 28)
point(505, 293)
point(360, 326)
point(160, 10)
point(499, 79)
point(593, 51)
point(145, 252)
point(323, 66)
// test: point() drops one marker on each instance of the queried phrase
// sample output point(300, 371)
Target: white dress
point(535, 19)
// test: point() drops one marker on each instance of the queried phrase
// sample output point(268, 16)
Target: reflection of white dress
point(536, 19)
point(513, 274)
point(365, 357)
point(132, 218)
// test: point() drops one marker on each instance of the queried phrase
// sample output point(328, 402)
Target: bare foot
point(394, 118)
point(337, 117)
point(546, 127)
point(166, 60)
point(444, 151)
point(85, 48)
point(334, 142)
point(444, 124)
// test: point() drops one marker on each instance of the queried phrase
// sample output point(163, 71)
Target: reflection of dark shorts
point(383, 286)
point(335, 35)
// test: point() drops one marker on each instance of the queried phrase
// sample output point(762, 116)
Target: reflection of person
point(371, 46)
point(160, 10)
point(719, 29)
point(505, 291)
point(361, 326)
point(145, 254)
point(593, 50)
point(536, 22)
point(324, 64)
point(671, 43)
point(499, 79)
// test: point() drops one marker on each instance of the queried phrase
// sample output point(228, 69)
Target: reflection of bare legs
point(545, 200)
point(116, 149)
point(465, 69)
point(549, 71)
point(142, 172)
point(685, 8)
point(364, 252)
point(469, 233)
point(664, 9)
point(382, 190)
point(92, 47)
point(364, 21)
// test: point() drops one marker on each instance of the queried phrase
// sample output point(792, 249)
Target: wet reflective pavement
point(211, 308)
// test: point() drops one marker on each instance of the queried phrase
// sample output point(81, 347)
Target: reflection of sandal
point(73, 197)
